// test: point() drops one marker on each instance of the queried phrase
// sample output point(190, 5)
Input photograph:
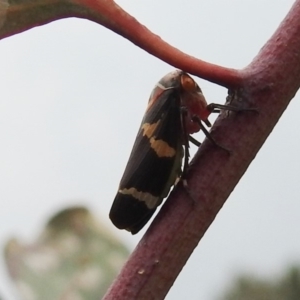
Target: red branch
point(127, 26)
point(20, 17)
point(270, 82)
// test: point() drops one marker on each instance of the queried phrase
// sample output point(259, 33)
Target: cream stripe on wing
point(150, 200)
point(161, 148)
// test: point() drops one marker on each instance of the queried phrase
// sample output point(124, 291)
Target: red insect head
point(196, 106)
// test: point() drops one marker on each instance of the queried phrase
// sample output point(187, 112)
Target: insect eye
point(188, 83)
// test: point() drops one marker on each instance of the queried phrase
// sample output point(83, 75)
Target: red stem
point(23, 16)
point(124, 24)
point(270, 82)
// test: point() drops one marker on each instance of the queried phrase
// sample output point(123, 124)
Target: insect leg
point(216, 108)
point(186, 139)
point(208, 135)
point(194, 141)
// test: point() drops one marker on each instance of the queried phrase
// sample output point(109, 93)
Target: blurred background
point(73, 96)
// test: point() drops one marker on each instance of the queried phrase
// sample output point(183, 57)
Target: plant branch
point(269, 83)
point(19, 15)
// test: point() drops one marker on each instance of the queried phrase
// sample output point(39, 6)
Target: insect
point(176, 109)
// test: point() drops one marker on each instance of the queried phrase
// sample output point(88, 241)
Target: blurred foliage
point(248, 287)
point(75, 258)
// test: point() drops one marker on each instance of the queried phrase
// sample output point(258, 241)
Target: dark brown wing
point(153, 166)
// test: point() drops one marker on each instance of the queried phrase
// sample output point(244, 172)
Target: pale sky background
point(73, 96)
